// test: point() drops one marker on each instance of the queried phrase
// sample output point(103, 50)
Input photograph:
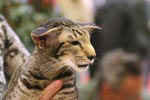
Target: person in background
point(124, 25)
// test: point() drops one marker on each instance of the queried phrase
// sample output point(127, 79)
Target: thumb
point(51, 90)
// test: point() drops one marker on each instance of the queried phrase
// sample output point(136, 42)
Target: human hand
point(51, 90)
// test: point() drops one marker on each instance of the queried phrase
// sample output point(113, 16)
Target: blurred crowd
point(117, 73)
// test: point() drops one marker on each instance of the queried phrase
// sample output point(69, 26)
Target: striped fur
point(62, 48)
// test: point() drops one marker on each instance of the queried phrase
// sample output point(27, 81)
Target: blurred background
point(125, 26)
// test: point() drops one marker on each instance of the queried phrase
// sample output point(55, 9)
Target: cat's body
point(62, 47)
point(28, 83)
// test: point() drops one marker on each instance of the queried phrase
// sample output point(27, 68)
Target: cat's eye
point(75, 42)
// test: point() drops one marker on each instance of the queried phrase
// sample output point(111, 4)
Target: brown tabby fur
point(62, 48)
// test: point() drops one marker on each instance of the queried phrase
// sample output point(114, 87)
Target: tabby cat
point(62, 47)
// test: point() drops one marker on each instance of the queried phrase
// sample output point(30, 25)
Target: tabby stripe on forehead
point(79, 32)
point(71, 37)
point(75, 34)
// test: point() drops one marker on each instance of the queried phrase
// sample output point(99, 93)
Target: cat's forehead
point(62, 23)
point(59, 24)
point(75, 30)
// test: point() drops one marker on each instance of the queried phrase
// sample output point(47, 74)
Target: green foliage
point(23, 18)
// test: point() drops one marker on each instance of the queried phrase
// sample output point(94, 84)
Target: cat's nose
point(90, 52)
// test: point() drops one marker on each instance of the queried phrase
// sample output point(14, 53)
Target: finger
point(51, 90)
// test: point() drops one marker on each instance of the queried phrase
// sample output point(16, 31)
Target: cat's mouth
point(83, 66)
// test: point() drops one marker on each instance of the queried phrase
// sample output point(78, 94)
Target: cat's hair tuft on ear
point(90, 27)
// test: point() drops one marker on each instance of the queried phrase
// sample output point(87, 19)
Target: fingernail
point(58, 82)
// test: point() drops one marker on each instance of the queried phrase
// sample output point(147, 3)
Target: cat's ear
point(91, 27)
point(41, 31)
point(41, 35)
